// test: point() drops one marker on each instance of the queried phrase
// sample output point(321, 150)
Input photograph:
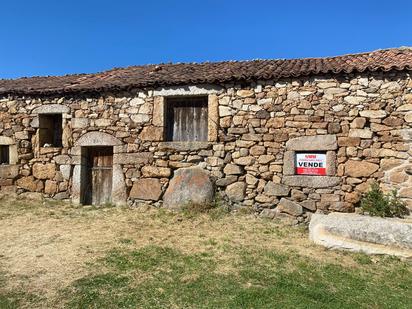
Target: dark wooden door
point(98, 190)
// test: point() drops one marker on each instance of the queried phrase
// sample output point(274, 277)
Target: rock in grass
point(371, 235)
point(190, 185)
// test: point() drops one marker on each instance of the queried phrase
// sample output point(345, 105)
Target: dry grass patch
point(77, 256)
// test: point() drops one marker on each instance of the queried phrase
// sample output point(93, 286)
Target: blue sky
point(45, 37)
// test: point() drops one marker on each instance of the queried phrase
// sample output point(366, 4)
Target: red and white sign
point(311, 164)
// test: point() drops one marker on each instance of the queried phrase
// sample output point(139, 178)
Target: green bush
point(376, 203)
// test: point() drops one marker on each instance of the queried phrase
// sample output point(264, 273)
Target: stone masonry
point(361, 120)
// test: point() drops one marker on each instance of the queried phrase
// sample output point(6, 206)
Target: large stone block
point(276, 189)
point(97, 139)
point(311, 181)
point(236, 191)
point(9, 171)
point(133, 158)
point(44, 171)
point(370, 235)
point(373, 113)
point(50, 187)
point(360, 168)
point(289, 207)
point(52, 109)
point(27, 183)
point(223, 182)
point(361, 133)
point(80, 123)
point(63, 159)
point(146, 189)
point(152, 133)
point(158, 111)
point(190, 185)
point(311, 143)
point(155, 171)
point(233, 169)
point(119, 194)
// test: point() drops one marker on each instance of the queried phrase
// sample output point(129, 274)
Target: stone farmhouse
point(286, 137)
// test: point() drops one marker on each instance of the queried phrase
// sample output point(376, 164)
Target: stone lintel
point(202, 89)
point(51, 109)
point(184, 146)
point(98, 139)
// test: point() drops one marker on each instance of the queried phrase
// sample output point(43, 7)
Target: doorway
point(96, 175)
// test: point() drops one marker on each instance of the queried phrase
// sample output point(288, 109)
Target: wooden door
point(99, 176)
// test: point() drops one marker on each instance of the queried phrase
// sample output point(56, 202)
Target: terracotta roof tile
point(215, 72)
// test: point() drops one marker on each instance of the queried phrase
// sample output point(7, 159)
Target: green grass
point(17, 297)
point(161, 277)
point(201, 258)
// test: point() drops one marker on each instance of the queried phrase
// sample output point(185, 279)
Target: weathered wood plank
point(187, 119)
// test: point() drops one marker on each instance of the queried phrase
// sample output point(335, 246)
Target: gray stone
point(140, 118)
point(233, 169)
point(373, 113)
point(190, 185)
point(289, 163)
point(44, 171)
point(309, 143)
point(62, 159)
point(4, 140)
point(76, 186)
point(309, 204)
point(98, 139)
point(52, 109)
point(236, 191)
point(184, 146)
point(133, 158)
point(146, 189)
point(362, 133)
point(276, 189)
point(354, 100)
point(119, 194)
point(66, 171)
point(200, 89)
point(289, 207)
point(225, 111)
point(9, 171)
point(268, 213)
point(223, 182)
point(371, 235)
point(80, 123)
point(155, 171)
point(311, 181)
point(360, 168)
point(32, 196)
point(262, 114)
point(61, 196)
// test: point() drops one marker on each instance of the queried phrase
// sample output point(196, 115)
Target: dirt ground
point(45, 246)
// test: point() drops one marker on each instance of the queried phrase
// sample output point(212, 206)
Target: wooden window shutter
point(187, 119)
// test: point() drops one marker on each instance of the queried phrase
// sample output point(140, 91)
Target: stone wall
point(361, 121)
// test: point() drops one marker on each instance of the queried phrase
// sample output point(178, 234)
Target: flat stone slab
point(371, 235)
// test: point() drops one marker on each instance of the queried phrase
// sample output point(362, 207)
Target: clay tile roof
point(209, 72)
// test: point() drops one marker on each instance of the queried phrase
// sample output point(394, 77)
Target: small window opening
point(4, 154)
point(187, 119)
point(50, 130)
